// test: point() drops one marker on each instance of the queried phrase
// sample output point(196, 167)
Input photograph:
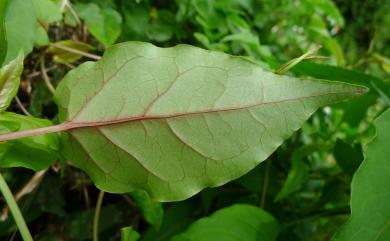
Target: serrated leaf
point(370, 198)
point(9, 81)
point(36, 152)
point(180, 119)
point(234, 223)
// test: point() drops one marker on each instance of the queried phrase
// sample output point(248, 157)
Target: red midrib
point(73, 124)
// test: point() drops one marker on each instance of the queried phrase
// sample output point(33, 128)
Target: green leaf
point(177, 217)
point(180, 119)
point(9, 81)
point(329, 8)
point(329, 72)
point(234, 223)
point(104, 24)
point(298, 173)
point(3, 37)
point(385, 62)
point(20, 25)
point(348, 157)
point(151, 210)
point(65, 57)
point(129, 234)
point(47, 12)
point(370, 210)
point(356, 109)
point(36, 152)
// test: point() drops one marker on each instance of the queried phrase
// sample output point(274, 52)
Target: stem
point(21, 106)
point(46, 77)
point(319, 214)
point(96, 218)
point(75, 51)
point(33, 132)
point(265, 183)
point(13, 206)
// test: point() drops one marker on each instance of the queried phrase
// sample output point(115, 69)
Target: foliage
point(179, 121)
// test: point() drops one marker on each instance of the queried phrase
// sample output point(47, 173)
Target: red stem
point(34, 132)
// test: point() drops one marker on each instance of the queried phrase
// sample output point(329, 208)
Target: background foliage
point(304, 188)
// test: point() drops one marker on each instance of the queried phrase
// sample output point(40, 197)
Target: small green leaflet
point(9, 81)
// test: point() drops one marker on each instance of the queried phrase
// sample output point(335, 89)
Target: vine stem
point(96, 218)
point(75, 51)
point(33, 132)
point(13, 206)
point(265, 183)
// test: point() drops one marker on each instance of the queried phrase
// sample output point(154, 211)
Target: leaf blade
point(370, 214)
point(182, 118)
point(9, 81)
point(237, 222)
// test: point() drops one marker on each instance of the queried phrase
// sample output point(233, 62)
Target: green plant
point(261, 153)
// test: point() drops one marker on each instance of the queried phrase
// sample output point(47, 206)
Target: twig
point(75, 51)
point(13, 206)
point(96, 218)
point(309, 54)
point(46, 77)
point(323, 213)
point(28, 188)
point(86, 197)
point(37, 73)
point(21, 106)
point(66, 3)
point(265, 183)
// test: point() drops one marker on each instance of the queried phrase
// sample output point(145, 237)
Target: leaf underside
point(173, 121)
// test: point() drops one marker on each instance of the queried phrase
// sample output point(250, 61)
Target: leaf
point(80, 222)
point(20, 25)
point(36, 153)
point(47, 12)
point(3, 37)
point(385, 62)
point(61, 56)
point(151, 210)
point(177, 217)
point(356, 109)
point(129, 234)
point(9, 81)
point(348, 157)
point(103, 23)
point(237, 222)
point(180, 119)
point(329, 8)
point(298, 173)
point(370, 198)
